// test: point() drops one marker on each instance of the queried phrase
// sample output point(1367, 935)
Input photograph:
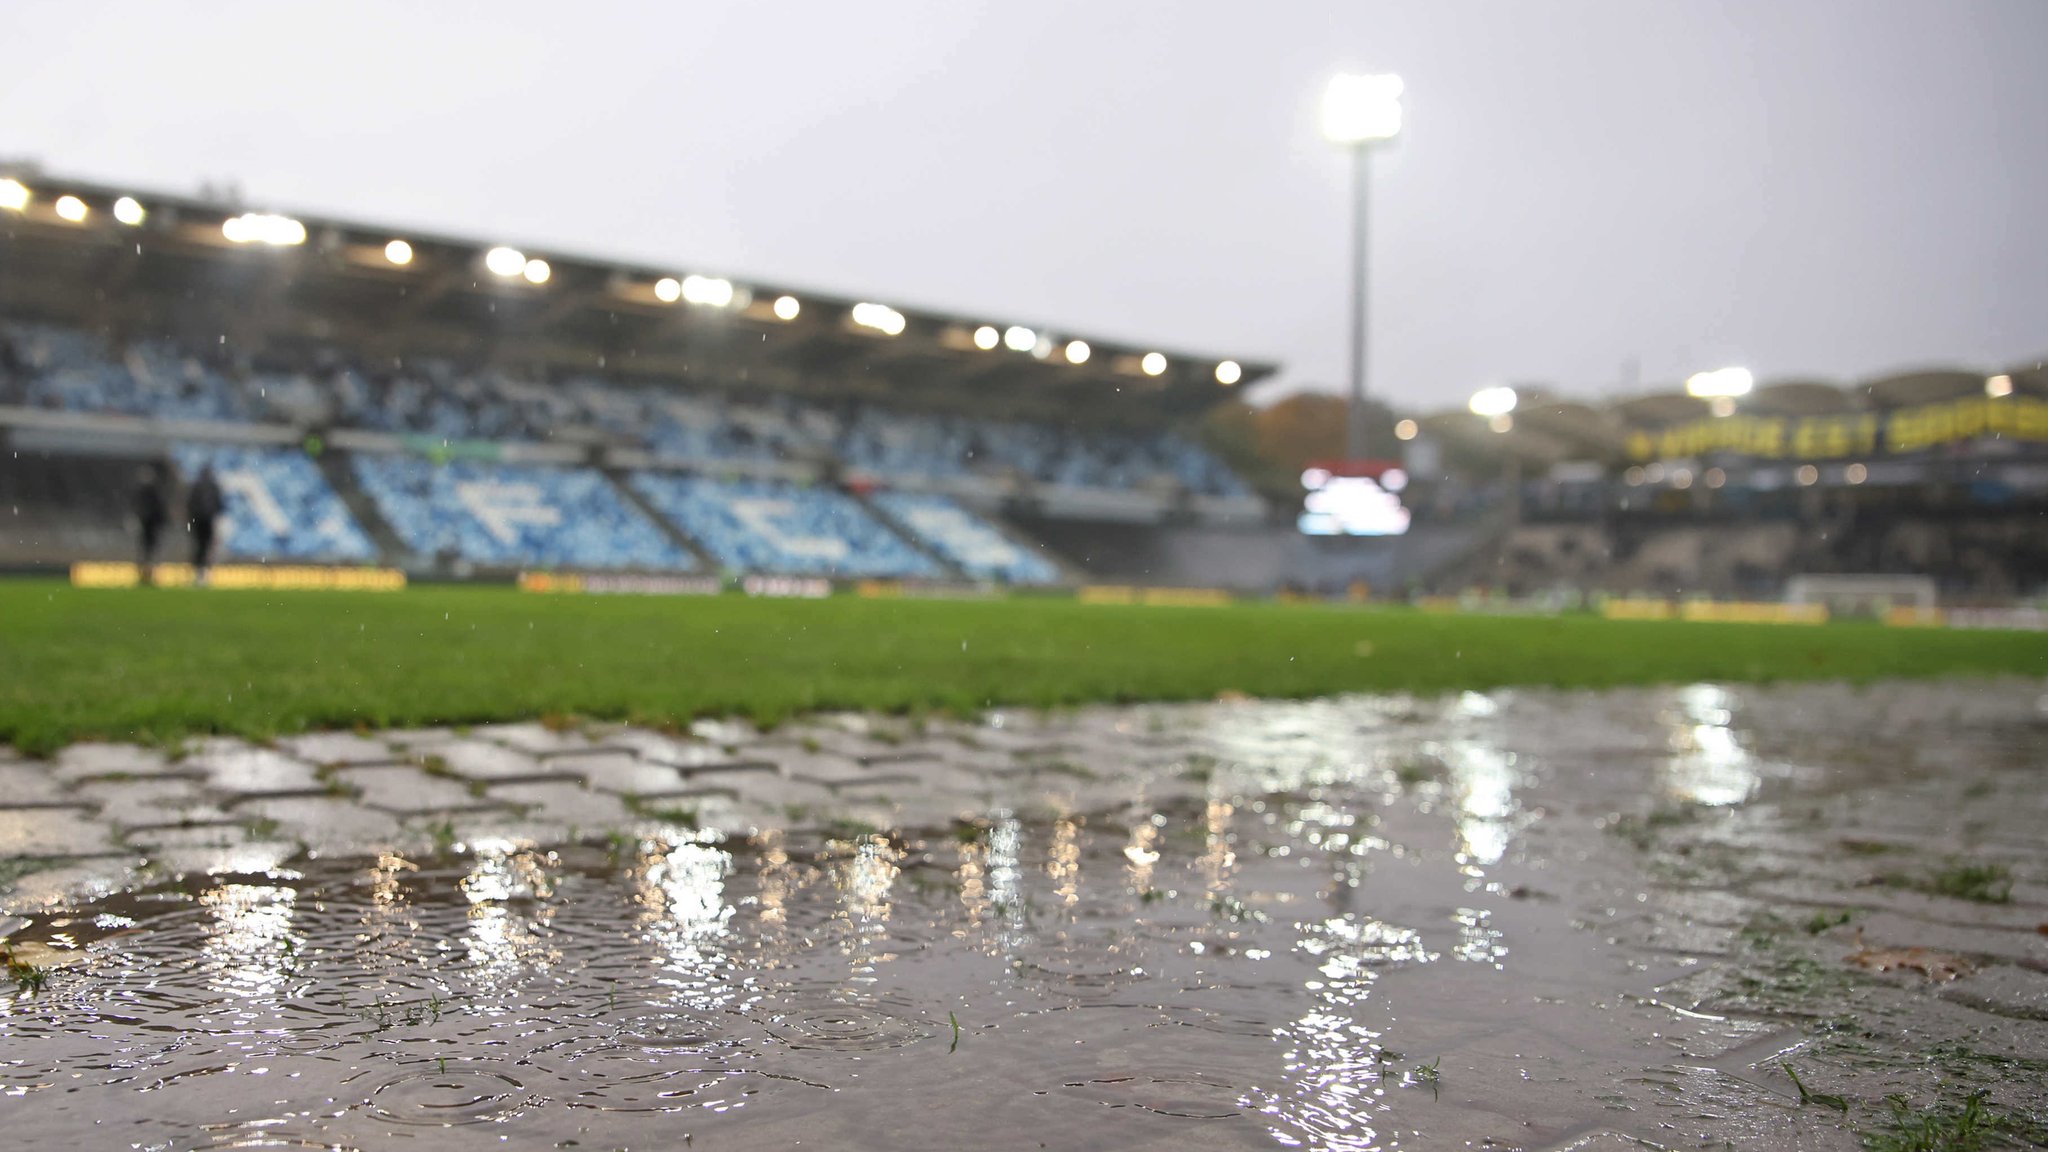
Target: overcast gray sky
point(1823, 187)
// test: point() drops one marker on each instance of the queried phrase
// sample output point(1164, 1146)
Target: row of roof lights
point(1021, 339)
point(15, 197)
point(262, 228)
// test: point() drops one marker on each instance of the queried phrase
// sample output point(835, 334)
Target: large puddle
point(1510, 921)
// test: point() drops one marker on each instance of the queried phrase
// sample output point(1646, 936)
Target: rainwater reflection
point(1260, 936)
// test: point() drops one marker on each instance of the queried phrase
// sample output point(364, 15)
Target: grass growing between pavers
point(156, 665)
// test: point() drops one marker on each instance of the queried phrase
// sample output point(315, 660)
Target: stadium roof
point(133, 260)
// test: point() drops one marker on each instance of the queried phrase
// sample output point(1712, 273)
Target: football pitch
point(158, 665)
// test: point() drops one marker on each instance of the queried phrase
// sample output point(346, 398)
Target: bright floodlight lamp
point(506, 262)
point(13, 194)
point(668, 289)
point(1229, 372)
point(1729, 382)
point(879, 317)
point(1154, 364)
point(128, 210)
point(1362, 109)
point(398, 252)
point(787, 307)
point(537, 271)
point(263, 228)
point(986, 337)
point(1998, 386)
point(1496, 401)
point(1406, 430)
point(1078, 351)
point(707, 290)
point(73, 209)
point(1019, 339)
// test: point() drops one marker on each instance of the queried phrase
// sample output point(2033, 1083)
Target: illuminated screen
point(1353, 505)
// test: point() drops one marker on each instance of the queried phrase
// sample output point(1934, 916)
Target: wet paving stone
point(321, 823)
point(404, 790)
point(45, 831)
point(24, 784)
point(564, 802)
point(481, 760)
point(254, 771)
point(338, 748)
point(86, 761)
point(1518, 920)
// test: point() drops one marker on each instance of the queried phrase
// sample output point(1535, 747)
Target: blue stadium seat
point(71, 370)
point(514, 515)
point(766, 526)
point(969, 542)
point(277, 505)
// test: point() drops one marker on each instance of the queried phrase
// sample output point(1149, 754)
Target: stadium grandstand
point(462, 409)
point(465, 409)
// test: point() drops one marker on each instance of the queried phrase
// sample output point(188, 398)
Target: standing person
point(152, 508)
point(202, 508)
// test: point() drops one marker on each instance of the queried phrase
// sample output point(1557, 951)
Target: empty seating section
point(430, 399)
point(277, 505)
point(937, 447)
point(64, 369)
point(770, 526)
point(51, 367)
point(970, 543)
point(510, 515)
point(703, 428)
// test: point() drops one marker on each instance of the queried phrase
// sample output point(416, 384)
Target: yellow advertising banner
point(1859, 434)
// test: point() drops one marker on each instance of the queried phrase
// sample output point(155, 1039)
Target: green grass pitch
point(156, 665)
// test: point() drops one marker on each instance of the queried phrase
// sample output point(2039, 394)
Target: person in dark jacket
point(152, 509)
point(202, 509)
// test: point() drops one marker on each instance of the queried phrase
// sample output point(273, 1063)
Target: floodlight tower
point(1359, 112)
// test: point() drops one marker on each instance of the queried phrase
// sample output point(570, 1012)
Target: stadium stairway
point(617, 479)
point(342, 478)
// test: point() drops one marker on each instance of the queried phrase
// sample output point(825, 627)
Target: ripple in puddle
point(1187, 1096)
point(441, 1097)
point(840, 1021)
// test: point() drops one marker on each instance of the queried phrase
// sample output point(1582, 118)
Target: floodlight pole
point(1355, 439)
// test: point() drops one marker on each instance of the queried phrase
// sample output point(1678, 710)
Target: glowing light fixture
point(398, 252)
point(73, 209)
point(1154, 364)
point(1807, 475)
point(1229, 372)
point(1018, 339)
point(1856, 473)
point(506, 262)
point(1729, 382)
point(1078, 351)
point(986, 337)
point(668, 289)
point(264, 228)
point(1497, 401)
point(1501, 422)
point(1362, 109)
point(880, 317)
point(1997, 386)
point(13, 194)
point(128, 210)
point(537, 271)
point(1722, 405)
point(1406, 430)
point(787, 307)
point(707, 290)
